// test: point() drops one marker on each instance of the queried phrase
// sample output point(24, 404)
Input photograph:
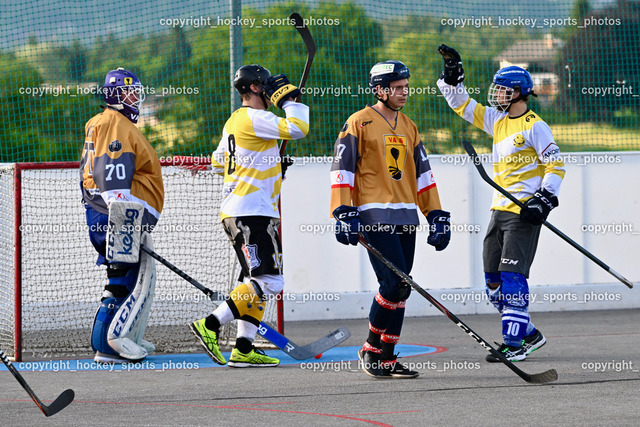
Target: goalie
point(123, 193)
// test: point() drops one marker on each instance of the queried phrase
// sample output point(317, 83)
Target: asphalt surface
point(595, 353)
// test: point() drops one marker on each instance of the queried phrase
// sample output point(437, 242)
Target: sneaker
point(397, 370)
point(371, 364)
point(255, 358)
point(513, 354)
point(209, 340)
point(112, 358)
point(533, 342)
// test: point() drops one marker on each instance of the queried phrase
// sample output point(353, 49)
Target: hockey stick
point(283, 343)
point(304, 32)
point(483, 173)
point(58, 405)
point(541, 378)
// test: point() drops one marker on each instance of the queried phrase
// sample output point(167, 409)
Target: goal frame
point(193, 163)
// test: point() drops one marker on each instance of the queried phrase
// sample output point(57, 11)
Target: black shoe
point(370, 364)
point(533, 342)
point(512, 354)
point(397, 370)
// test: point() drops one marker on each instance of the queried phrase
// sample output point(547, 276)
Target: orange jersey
point(118, 163)
point(382, 168)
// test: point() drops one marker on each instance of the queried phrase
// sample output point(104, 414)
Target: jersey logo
point(395, 155)
point(345, 127)
point(251, 254)
point(518, 140)
point(529, 117)
point(115, 146)
point(368, 122)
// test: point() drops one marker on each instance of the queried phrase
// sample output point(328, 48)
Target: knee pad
point(495, 295)
point(246, 302)
point(394, 294)
point(123, 275)
point(515, 291)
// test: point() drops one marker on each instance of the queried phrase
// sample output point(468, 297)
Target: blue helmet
point(504, 82)
point(123, 91)
point(386, 72)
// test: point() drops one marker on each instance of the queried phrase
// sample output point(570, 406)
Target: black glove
point(347, 224)
point(439, 229)
point(537, 208)
point(278, 89)
point(453, 72)
point(285, 162)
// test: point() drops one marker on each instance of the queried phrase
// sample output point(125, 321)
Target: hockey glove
point(285, 162)
point(453, 72)
point(537, 208)
point(347, 224)
point(439, 229)
point(278, 89)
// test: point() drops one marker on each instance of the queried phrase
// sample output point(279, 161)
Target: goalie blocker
point(121, 319)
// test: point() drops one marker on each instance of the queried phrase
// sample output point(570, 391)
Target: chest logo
point(395, 155)
point(518, 141)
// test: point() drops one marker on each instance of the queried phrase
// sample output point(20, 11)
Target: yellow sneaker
point(255, 358)
point(209, 340)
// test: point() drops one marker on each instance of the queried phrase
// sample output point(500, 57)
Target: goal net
point(50, 285)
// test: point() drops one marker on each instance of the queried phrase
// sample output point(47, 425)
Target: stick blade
point(320, 346)
point(543, 377)
point(60, 403)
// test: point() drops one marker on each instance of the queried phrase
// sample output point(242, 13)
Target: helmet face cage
point(500, 96)
point(123, 90)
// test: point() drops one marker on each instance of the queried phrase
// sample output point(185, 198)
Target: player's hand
point(347, 224)
point(453, 72)
point(537, 208)
point(439, 229)
point(278, 89)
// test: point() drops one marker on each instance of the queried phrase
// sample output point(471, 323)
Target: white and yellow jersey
point(249, 158)
point(525, 155)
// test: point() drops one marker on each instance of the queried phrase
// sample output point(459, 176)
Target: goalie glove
point(453, 72)
point(278, 89)
point(439, 229)
point(347, 224)
point(537, 208)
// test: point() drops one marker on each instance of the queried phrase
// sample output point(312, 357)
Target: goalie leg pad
point(246, 303)
point(133, 312)
point(104, 316)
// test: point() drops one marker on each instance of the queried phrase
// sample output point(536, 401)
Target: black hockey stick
point(304, 32)
point(283, 343)
point(541, 378)
point(58, 405)
point(483, 173)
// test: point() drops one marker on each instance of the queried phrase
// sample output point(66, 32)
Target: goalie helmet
point(248, 75)
point(505, 80)
point(123, 91)
point(383, 73)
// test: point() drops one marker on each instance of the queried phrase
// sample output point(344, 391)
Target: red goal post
point(50, 286)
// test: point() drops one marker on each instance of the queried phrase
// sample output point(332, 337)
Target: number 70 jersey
point(249, 158)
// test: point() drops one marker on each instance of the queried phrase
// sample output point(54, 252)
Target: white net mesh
point(6, 260)
point(61, 284)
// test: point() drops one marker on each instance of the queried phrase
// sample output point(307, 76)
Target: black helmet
point(248, 75)
point(386, 72)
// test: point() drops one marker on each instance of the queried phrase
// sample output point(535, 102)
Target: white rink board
point(602, 193)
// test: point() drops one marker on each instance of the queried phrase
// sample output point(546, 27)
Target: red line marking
point(346, 417)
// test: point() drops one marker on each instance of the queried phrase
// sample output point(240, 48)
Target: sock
point(212, 323)
point(244, 345)
point(373, 339)
point(388, 351)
